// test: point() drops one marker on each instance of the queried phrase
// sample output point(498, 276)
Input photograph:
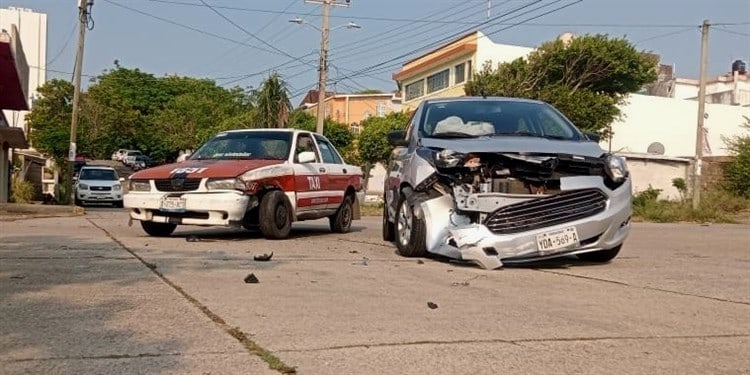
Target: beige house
point(443, 72)
point(352, 109)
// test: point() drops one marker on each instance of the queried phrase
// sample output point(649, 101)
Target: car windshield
point(486, 117)
point(246, 145)
point(98, 174)
point(134, 153)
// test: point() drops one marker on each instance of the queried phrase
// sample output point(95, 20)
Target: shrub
point(737, 172)
point(23, 191)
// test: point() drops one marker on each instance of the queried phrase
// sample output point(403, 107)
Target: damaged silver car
point(502, 180)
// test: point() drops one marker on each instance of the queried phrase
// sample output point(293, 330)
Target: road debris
point(420, 261)
point(150, 265)
point(353, 252)
point(263, 258)
point(362, 262)
point(251, 279)
point(432, 305)
point(18, 277)
point(192, 238)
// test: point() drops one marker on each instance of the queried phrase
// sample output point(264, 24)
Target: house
point(14, 73)
point(352, 109)
point(444, 71)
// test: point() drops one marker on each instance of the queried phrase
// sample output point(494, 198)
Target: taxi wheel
point(341, 222)
point(410, 231)
point(275, 215)
point(601, 256)
point(158, 229)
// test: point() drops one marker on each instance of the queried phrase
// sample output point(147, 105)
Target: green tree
point(372, 143)
point(50, 119)
point(737, 172)
point(272, 103)
point(586, 79)
point(338, 133)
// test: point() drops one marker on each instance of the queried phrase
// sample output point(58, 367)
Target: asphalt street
point(90, 294)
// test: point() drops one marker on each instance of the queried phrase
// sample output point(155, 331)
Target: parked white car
point(99, 184)
point(119, 154)
point(130, 157)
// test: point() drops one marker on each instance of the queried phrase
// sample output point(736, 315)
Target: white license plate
point(559, 239)
point(174, 204)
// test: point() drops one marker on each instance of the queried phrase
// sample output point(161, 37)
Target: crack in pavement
point(517, 342)
point(644, 287)
point(273, 362)
point(114, 356)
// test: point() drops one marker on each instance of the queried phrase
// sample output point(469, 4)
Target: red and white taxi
point(259, 178)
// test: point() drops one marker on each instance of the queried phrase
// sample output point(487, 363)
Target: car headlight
point(617, 167)
point(83, 186)
point(139, 185)
point(116, 187)
point(225, 184)
point(448, 158)
point(267, 172)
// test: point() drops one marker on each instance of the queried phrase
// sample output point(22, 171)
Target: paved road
point(94, 295)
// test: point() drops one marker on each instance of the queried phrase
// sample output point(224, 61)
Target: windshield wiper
point(530, 134)
point(454, 135)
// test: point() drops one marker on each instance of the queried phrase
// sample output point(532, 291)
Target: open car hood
point(203, 168)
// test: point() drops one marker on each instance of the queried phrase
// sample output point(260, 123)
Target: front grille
point(545, 212)
point(186, 184)
point(100, 188)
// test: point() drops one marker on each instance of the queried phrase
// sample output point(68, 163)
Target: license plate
point(173, 204)
point(559, 239)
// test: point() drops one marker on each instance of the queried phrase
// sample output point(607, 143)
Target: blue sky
point(204, 45)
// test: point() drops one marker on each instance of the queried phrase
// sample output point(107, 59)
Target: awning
point(14, 72)
point(14, 136)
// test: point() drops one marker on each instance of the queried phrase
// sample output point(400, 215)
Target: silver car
point(499, 181)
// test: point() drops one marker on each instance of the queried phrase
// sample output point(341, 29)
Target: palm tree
point(272, 103)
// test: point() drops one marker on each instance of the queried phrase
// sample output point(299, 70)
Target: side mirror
point(122, 179)
point(592, 136)
point(306, 157)
point(397, 138)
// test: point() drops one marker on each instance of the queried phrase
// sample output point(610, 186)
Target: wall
point(657, 171)
point(672, 122)
point(487, 50)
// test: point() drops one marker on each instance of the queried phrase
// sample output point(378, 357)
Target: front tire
point(341, 222)
point(275, 215)
point(410, 231)
point(601, 256)
point(158, 229)
point(389, 230)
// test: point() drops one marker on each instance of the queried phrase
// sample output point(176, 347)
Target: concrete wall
point(657, 172)
point(672, 122)
point(494, 53)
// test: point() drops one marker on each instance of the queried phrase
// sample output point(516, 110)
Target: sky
point(186, 37)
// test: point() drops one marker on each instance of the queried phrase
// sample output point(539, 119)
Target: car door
point(310, 179)
point(338, 174)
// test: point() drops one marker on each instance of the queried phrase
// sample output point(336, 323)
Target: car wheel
point(158, 229)
point(341, 222)
point(410, 231)
point(601, 256)
point(275, 215)
point(389, 230)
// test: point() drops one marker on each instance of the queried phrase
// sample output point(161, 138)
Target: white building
point(32, 30)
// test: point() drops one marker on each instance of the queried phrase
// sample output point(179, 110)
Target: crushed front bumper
point(451, 234)
point(223, 208)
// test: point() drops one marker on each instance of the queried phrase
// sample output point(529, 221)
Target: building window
point(438, 81)
point(381, 109)
point(415, 90)
point(460, 72)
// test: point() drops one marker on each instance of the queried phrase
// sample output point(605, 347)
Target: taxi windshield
point(246, 145)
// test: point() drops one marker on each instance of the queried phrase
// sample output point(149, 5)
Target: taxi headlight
point(225, 184)
point(136, 185)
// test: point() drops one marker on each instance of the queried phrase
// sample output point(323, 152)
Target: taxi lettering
point(187, 170)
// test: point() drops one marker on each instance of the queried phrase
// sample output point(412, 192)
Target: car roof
point(281, 130)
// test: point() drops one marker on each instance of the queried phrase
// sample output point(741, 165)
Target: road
point(92, 295)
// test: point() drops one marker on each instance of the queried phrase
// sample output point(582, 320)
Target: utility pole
point(701, 117)
point(323, 66)
point(84, 11)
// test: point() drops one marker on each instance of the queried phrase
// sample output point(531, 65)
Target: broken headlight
point(617, 168)
point(448, 158)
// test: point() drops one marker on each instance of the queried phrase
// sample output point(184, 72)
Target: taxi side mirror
point(306, 157)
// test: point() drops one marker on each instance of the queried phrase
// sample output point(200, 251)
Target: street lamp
point(323, 67)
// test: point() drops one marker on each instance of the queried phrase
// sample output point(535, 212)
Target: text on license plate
point(176, 204)
point(559, 239)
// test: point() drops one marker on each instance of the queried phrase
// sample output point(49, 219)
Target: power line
point(664, 35)
point(731, 31)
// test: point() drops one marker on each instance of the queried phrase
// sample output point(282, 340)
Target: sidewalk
point(72, 301)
